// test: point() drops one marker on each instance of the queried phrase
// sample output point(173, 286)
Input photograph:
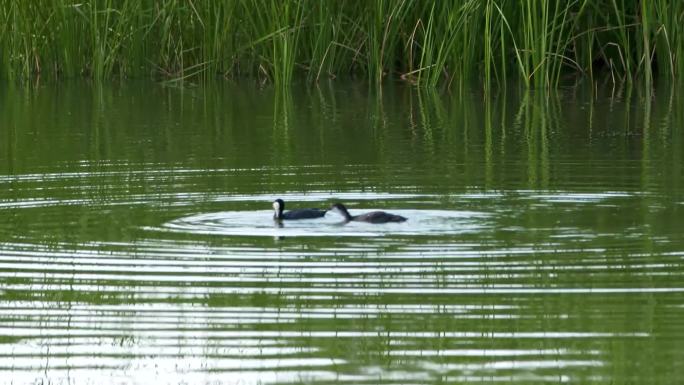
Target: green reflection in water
point(559, 261)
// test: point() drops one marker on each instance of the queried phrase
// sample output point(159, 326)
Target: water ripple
point(475, 286)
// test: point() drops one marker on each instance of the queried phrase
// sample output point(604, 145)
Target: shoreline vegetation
point(539, 43)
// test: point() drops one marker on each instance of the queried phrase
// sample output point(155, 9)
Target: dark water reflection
point(544, 241)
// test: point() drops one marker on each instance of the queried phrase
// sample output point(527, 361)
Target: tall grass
point(540, 43)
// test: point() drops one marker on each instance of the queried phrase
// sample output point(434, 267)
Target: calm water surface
point(544, 242)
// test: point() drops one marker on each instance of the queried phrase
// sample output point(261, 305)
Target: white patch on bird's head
point(277, 209)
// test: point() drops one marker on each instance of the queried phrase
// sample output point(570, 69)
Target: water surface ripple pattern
point(516, 267)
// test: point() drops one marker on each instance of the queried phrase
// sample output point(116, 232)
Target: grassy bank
point(537, 42)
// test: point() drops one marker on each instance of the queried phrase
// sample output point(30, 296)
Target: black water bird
point(372, 217)
point(279, 207)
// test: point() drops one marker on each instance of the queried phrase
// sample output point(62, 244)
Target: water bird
point(279, 207)
point(372, 217)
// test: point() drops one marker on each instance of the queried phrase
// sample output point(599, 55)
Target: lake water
point(544, 242)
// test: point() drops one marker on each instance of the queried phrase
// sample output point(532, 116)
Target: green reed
point(539, 43)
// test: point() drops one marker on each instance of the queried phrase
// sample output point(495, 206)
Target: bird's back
point(379, 217)
point(304, 214)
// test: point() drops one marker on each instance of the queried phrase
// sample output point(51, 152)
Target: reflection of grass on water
point(9, 340)
point(272, 40)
